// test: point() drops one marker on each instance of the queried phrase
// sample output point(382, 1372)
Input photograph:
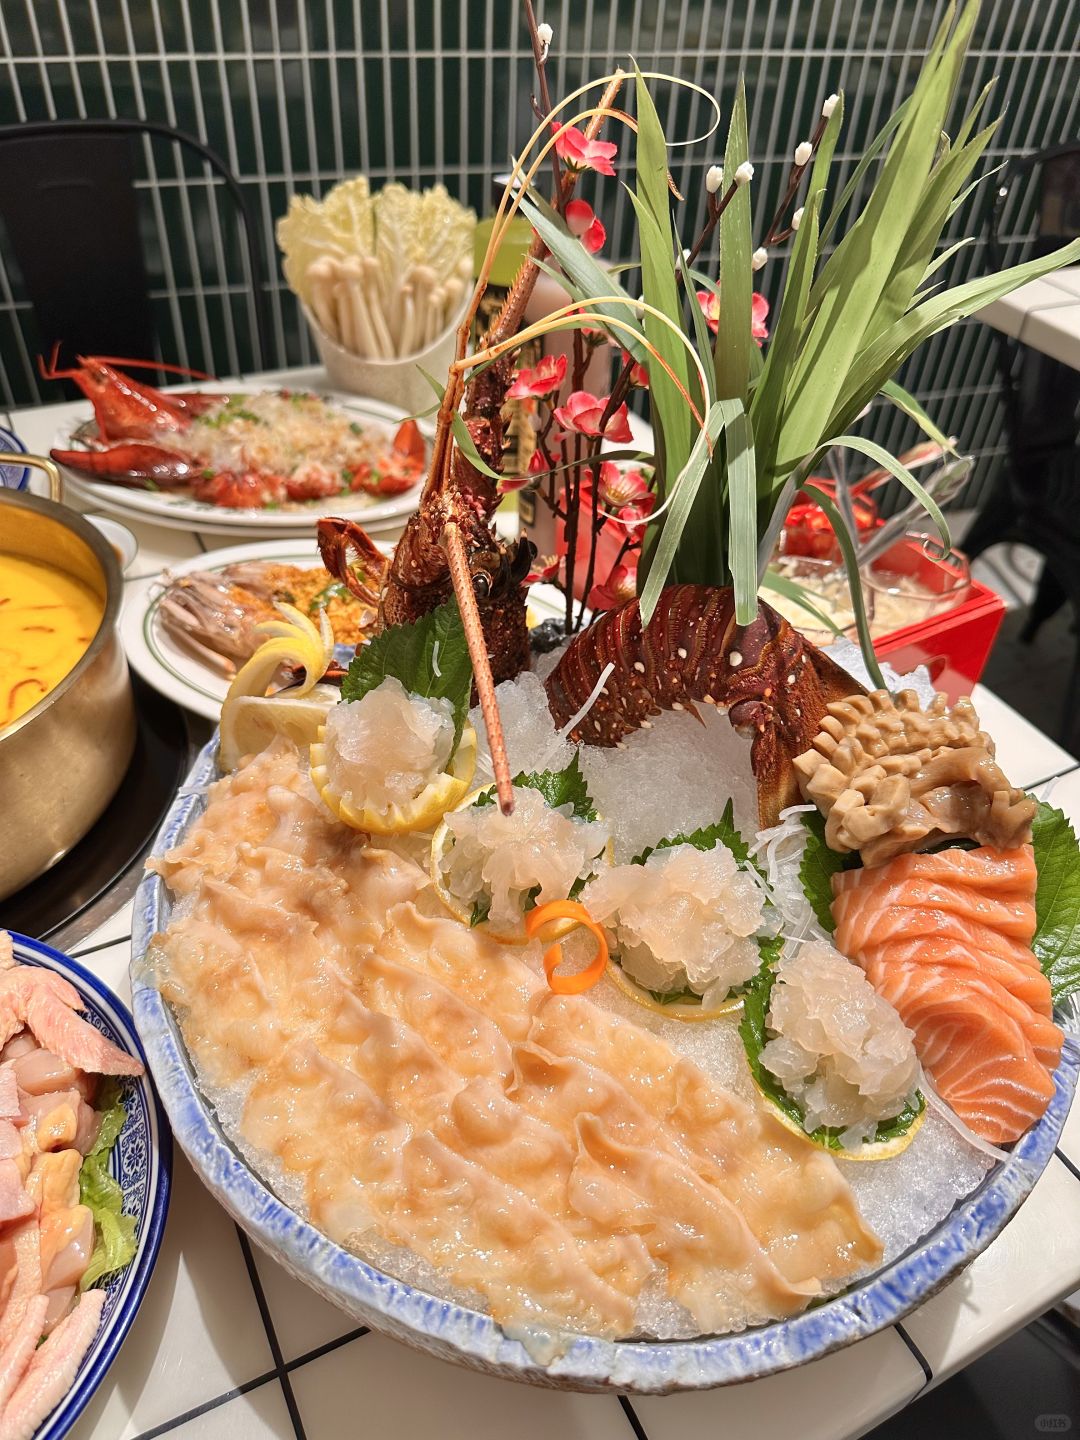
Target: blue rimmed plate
point(141, 1162)
point(13, 477)
point(469, 1337)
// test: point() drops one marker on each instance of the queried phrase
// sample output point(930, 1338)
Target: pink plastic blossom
point(583, 412)
point(544, 378)
point(619, 587)
point(578, 153)
point(583, 222)
point(709, 301)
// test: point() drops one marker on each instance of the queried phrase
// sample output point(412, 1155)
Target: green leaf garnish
point(1057, 901)
point(480, 911)
point(558, 787)
point(817, 867)
point(724, 832)
point(430, 658)
point(114, 1232)
point(752, 1029)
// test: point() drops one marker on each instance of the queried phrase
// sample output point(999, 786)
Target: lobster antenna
point(481, 662)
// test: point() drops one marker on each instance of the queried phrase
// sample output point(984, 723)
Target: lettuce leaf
point(114, 1232)
point(1057, 901)
point(430, 658)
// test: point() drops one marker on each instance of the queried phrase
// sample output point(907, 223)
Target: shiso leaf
point(723, 832)
point(1057, 901)
point(752, 1029)
point(558, 787)
point(817, 867)
point(114, 1232)
point(408, 653)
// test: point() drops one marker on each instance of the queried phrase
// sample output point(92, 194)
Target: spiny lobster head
point(498, 569)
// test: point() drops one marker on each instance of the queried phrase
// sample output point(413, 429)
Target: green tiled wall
point(296, 95)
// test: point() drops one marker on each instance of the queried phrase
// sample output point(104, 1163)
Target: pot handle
point(38, 462)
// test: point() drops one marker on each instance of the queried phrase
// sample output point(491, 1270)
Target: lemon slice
point(675, 1011)
point(251, 722)
point(438, 796)
point(870, 1150)
point(249, 718)
point(440, 844)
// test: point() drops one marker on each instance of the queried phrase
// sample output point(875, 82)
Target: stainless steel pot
point(61, 762)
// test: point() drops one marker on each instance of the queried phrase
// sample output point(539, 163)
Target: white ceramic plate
point(181, 512)
point(178, 673)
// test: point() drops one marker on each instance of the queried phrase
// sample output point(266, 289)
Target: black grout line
point(206, 1407)
point(271, 1334)
point(330, 1345)
point(924, 1364)
point(1072, 1169)
point(632, 1415)
point(101, 945)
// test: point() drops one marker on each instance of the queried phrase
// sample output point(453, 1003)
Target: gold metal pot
point(61, 762)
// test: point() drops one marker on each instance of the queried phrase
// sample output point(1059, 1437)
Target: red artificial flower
point(538, 465)
point(759, 313)
point(583, 222)
point(544, 378)
point(578, 153)
point(583, 413)
point(617, 589)
point(709, 301)
point(545, 568)
point(619, 488)
point(639, 376)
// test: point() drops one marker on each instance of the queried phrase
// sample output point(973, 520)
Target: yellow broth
point(47, 620)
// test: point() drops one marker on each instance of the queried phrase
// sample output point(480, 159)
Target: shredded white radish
point(936, 1103)
point(564, 733)
point(435, 659)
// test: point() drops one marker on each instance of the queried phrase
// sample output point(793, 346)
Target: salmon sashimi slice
point(859, 907)
point(1024, 983)
point(946, 939)
point(990, 872)
point(979, 1058)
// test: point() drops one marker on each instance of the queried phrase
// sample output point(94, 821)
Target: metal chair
point(1035, 500)
point(84, 243)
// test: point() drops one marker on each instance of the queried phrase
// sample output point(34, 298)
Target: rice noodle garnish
point(938, 1105)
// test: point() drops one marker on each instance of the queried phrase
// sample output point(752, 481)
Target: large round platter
point(180, 674)
point(472, 1338)
point(141, 1162)
point(181, 512)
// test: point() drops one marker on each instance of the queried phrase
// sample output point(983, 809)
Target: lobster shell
point(773, 684)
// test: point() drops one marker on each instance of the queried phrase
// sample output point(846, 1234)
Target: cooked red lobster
point(129, 444)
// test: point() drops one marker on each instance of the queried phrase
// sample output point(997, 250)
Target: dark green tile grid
point(296, 95)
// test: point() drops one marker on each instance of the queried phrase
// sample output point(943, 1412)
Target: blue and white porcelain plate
point(13, 477)
point(141, 1161)
point(469, 1337)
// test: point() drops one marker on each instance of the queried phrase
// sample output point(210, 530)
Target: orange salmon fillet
point(946, 939)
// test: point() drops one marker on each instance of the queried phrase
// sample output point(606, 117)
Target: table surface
point(1044, 314)
point(227, 1346)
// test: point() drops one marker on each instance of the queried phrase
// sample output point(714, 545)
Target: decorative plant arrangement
point(597, 983)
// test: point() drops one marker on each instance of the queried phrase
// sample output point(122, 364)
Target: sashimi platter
point(653, 1001)
point(740, 1073)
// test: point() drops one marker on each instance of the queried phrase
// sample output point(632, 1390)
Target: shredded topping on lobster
point(891, 777)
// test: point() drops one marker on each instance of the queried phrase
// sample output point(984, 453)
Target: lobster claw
point(409, 443)
point(133, 464)
point(363, 575)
